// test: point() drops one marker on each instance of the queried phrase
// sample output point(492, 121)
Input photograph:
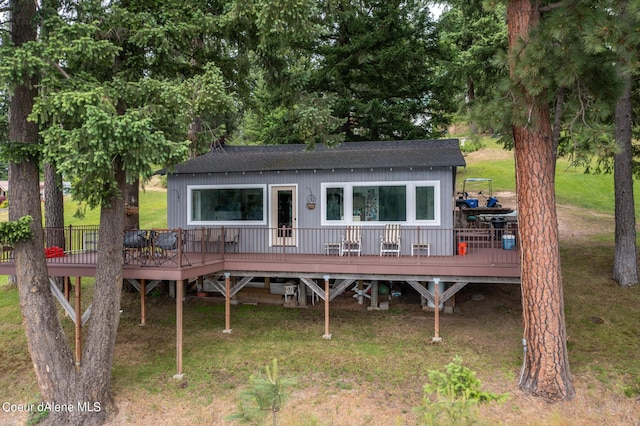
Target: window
point(406, 202)
point(380, 203)
point(222, 204)
point(425, 203)
point(335, 203)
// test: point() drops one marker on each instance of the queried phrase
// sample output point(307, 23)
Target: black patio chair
point(166, 247)
point(137, 246)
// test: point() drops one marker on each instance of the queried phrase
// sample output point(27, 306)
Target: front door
point(284, 215)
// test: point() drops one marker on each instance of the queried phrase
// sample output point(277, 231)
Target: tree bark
point(546, 366)
point(132, 202)
point(557, 123)
point(53, 212)
point(625, 264)
point(81, 390)
point(53, 206)
point(52, 359)
point(97, 356)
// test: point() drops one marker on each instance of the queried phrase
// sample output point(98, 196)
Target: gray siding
point(257, 239)
point(306, 181)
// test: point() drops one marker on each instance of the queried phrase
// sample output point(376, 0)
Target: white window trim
point(190, 189)
point(411, 202)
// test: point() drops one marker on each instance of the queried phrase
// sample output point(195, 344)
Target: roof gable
point(405, 153)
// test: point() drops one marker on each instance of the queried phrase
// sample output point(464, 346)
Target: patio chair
point(231, 236)
point(351, 241)
point(390, 241)
point(196, 239)
point(166, 245)
point(137, 246)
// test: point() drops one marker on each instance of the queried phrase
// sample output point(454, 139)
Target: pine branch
point(63, 72)
point(550, 7)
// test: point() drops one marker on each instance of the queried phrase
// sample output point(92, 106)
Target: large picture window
point(375, 202)
point(226, 204)
point(380, 203)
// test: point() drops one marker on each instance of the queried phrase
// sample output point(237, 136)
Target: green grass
point(573, 186)
point(153, 211)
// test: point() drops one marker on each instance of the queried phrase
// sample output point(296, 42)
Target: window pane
point(227, 204)
point(335, 203)
point(425, 203)
point(380, 203)
point(393, 203)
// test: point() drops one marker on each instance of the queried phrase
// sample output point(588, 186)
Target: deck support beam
point(180, 284)
point(309, 282)
point(150, 285)
point(71, 312)
point(143, 302)
point(143, 288)
point(227, 302)
point(221, 286)
point(436, 303)
point(326, 335)
point(78, 322)
point(448, 294)
point(338, 288)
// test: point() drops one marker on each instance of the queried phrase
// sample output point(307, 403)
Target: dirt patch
point(488, 155)
point(574, 224)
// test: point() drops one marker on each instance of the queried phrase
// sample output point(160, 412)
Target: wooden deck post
point(436, 297)
point(326, 334)
point(143, 301)
point(78, 323)
point(179, 296)
point(227, 303)
point(67, 286)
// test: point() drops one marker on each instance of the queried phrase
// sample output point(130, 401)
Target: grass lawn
point(573, 186)
point(373, 369)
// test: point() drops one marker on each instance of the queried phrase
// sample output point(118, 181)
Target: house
point(316, 218)
point(368, 184)
point(4, 190)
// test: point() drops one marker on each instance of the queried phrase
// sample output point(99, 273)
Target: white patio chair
point(390, 241)
point(351, 241)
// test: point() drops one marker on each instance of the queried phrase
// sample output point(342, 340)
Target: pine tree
point(546, 366)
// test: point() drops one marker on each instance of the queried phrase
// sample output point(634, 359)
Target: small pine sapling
point(267, 394)
point(450, 396)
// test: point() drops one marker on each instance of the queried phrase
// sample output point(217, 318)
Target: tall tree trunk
point(94, 384)
point(51, 357)
point(546, 365)
point(53, 212)
point(625, 263)
point(72, 386)
point(86, 385)
point(53, 207)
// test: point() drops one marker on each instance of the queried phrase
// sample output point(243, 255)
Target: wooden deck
point(481, 265)
point(485, 258)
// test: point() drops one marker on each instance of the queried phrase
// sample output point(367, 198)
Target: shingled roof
point(405, 153)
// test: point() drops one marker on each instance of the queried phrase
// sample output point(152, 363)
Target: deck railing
point(183, 247)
